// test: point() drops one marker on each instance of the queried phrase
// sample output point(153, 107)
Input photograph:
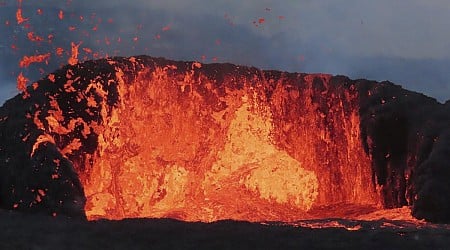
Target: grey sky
point(405, 41)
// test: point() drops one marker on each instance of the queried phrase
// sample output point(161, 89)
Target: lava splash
point(149, 137)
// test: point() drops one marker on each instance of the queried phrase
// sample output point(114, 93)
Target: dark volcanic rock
point(405, 134)
point(40, 232)
point(44, 181)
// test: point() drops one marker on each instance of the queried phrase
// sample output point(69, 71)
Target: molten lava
point(253, 147)
point(148, 137)
point(27, 60)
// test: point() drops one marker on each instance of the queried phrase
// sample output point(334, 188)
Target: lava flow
point(148, 137)
point(180, 145)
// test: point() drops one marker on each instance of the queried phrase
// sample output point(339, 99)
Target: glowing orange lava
point(22, 82)
point(19, 17)
point(34, 38)
point(27, 60)
point(74, 56)
point(179, 145)
point(185, 143)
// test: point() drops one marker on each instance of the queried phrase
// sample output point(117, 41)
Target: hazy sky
point(404, 41)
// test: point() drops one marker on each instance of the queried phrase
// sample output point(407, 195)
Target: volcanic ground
point(31, 231)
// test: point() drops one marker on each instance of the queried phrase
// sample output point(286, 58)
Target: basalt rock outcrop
point(150, 137)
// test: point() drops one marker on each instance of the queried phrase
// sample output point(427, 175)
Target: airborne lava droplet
point(87, 50)
point(34, 38)
point(22, 83)
point(166, 28)
point(74, 56)
point(61, 15)
point(19, 17)
point(27, 60)
point(59, 51)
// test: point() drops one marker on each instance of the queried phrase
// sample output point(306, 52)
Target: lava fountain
point(148, 137)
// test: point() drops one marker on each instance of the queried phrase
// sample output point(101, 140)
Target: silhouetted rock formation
point(145, 136)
